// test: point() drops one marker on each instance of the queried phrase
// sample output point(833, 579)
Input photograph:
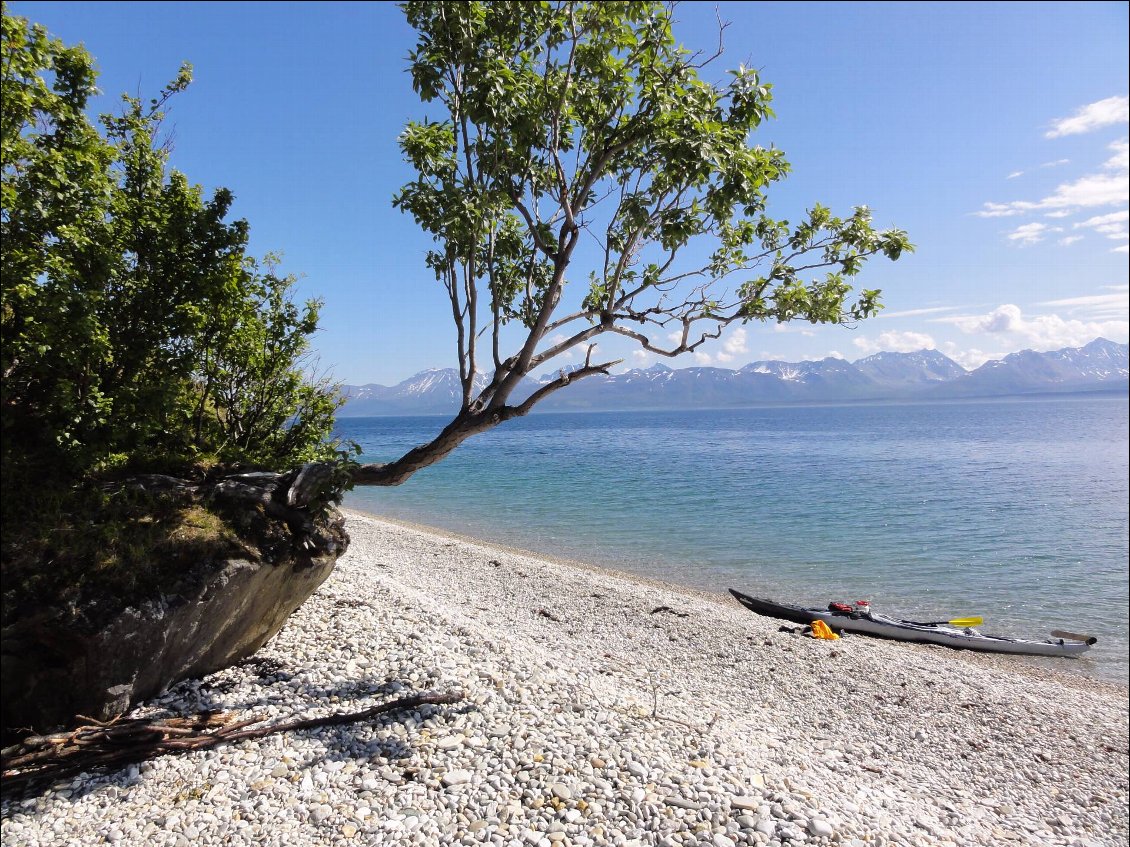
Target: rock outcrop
point(55, 666)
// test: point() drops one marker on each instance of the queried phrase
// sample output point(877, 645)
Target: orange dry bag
point(821, 630)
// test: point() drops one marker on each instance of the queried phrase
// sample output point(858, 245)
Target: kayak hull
point(882, 626)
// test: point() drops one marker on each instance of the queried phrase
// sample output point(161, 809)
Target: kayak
point(882, 626)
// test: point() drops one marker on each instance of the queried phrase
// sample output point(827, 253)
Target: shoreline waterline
point(579, 564)
point(1070, 668)
point(1011, 512)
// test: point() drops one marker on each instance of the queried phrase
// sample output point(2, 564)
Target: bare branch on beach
point(105, 744)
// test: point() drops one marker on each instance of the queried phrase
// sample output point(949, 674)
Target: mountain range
point(923, 375)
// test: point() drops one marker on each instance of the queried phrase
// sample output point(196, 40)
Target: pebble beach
point(604, 709)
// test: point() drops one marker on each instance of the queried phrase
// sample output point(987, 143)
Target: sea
point(1013, 510)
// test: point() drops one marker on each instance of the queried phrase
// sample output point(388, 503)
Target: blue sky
point(995, 133)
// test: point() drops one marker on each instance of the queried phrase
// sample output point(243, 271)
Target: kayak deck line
point(884, 626)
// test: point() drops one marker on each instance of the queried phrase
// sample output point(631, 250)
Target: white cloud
point(1015, 174)
point(1100, 220)
point(835, 354)
point(1113, 226)
point(1001, 319)
point(641, 356)
point(914, 313)
point(1032, 233)
point(1061, 213)
point(1001, 210)
point(969, 358)
point(1069, 240)
point(1056, 163)
point(1040, 332)
point(896, 342)
point(1123, 249)
point(1097, 189)
point(1121, 298)
point(1090, 190)
point(733, 346)
point(1094, 306)
point(1120, 161)
point(1112, 110)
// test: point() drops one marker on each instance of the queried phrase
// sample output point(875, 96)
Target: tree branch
point(566, 378)
point(102, 744)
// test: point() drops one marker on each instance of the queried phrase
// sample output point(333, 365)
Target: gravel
point(588, 720)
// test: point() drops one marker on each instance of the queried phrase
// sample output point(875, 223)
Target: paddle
point(956, 622)
point(973, 621)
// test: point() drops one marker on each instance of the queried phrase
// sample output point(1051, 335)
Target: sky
point(994, 133)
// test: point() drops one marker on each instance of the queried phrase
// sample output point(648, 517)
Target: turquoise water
point(1013, 510)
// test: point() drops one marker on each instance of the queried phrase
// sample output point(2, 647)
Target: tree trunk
point(463, 426)
point(455, 433)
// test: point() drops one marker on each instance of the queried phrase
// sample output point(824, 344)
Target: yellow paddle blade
point(967, 621)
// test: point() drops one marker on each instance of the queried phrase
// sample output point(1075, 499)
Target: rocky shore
point(602, 709)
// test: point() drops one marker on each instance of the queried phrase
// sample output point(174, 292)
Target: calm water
point(1016, 511)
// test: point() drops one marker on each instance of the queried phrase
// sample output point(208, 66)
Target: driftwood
point(101, 744)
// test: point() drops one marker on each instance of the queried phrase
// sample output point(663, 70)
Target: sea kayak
point(874, 623)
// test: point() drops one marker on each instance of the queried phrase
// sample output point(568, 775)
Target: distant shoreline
point(1121, 392)
point(1101, 366)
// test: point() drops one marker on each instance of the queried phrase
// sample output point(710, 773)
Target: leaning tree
point(579, 139)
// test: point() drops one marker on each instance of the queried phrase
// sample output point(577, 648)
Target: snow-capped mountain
point(1100, 360)
point(1100, 363)
point(922, 375)
point(834, 377)
point(434, 391)
point(910, 370)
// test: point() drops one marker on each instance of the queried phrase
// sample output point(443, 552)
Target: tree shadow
point(357, 741)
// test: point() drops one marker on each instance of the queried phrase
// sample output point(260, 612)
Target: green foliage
point(267, 408)
point(571, 117)
point(135, 327)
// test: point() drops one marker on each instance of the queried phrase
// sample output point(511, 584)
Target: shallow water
point(1012, 510)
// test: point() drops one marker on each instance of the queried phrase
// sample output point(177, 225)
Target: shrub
point(137, 331)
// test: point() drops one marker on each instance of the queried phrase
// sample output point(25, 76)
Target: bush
point(137, 332)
